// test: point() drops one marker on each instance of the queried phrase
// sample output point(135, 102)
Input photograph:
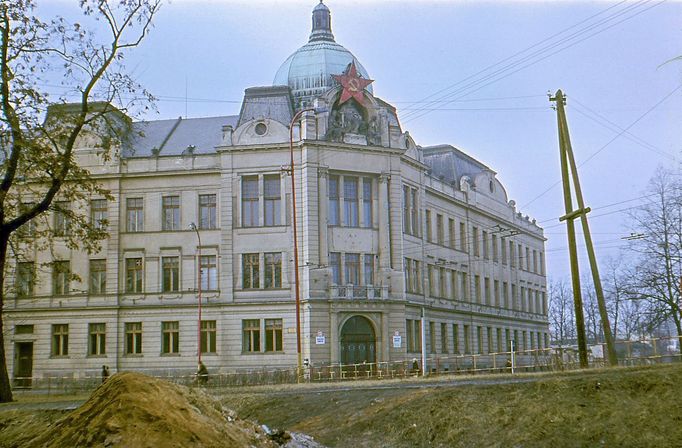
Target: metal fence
point(649, 351)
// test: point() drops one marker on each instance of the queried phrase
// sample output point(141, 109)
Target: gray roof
point(172, 137)
point(450, 164)
point(266, 102)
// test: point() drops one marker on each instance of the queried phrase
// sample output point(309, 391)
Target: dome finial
point(322, 24)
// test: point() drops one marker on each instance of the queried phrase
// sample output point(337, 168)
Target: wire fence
point(559, 358)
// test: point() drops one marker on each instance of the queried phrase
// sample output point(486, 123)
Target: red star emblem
point(353, 85)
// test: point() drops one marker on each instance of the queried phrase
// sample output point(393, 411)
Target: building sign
point(320, 339)
point(397, 341)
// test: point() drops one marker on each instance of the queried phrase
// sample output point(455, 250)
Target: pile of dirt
point(134, 410)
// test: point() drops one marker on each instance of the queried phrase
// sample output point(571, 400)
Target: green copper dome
point(308, 70)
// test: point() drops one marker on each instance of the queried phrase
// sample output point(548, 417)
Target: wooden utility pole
point(568, 161)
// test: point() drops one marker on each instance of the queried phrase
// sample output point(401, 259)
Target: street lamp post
point(193, 226)
point(299, 365)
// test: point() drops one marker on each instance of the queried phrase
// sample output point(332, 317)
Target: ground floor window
point(133, 337)
point(208, 336)
point(170, 337)
point(273, 335)
point(97, 339)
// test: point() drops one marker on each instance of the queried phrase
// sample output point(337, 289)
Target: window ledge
point(98, 356)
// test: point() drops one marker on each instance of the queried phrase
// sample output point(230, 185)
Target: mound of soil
point(134, 410)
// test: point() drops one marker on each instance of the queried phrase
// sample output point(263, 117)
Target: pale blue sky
point(413, 49)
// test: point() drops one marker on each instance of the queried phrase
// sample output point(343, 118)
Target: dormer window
point(261, 129)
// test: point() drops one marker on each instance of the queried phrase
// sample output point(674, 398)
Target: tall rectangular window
point(493, 242)
point(443, 337)
point(98, 213)
point(406, 209)
point(505, 292)
point(208, 336)
point(251, 335)
point(463, 237)
point(25, 280)
point(134, 215)
point(62, 218)
point(414, 212)
point(486, 288)
point(352, 271)
point(432, 337)
point(369, 269)
point(134, 275)
point(335, 265)
point(455, 338)
point(273, 200)
point(250, 271)
point(499, 347)
point(512, 257)
point(479, 339)
point(527, 259)
point(454, 294)
point(208, 273)
point(350, 201)
point(367, 202)
point(250, 201)
point(442, 282)
point(496, 293)
point(60, 339)
point(467, 339)
point(61, 278)
point(170, 337)
point(273, 335)
point(514, 303)
point(207, 211)
point(429, 230)
point(489, 336)
point(333, 201)
point(97, 339)
point(484, 240)
point(464, 289)
point(503, 247)
point(170, 210)
point(451, 233)
point(519, 252)
point(416, 276)
point(440, 231)
point(273, 270)
point(477, 289)
point(170, 267)
point(98, 276)
point(475, 242)
point(133, 336)
point(28, 229)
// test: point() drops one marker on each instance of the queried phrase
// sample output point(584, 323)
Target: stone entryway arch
point(358, 341)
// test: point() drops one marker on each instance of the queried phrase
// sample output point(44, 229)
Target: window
point(451, 233)
point(250, 271)
point(499, 347)
point(486, 289)
point(486, 252)
point(352, 271)
point(416, 276)
point(28, 229)
point(170, 267)
point(335, 264)
point(443, 337)
point(479, 339)
point(527, 259)
point(440, 231)
point(333, 200)
point(170, 206)
point(429, 231)
point(60, 339)
point(250, 201)
point(134, 275)
point(496, 293)
point(23, 329)
point(477, 288)
point(61, 278)
point(414, 212)
point(454, 295)
point(369, 269)
point(489, 335)
point(98, 213)
point(535, 261)
point(512, 257)
point(475, 242)
point(367, 203)
point(133, 331)
point(414, 341)
point(170, 337)
point(432, 337)
point(251, 335)
point(273, 270)
point(503, 246)
point(505, 291)
point(98, 276)
point(442, 282)
point(466, 293)
point(135, 215)
point(467, 339)
point(350, 201)
point(455, 338)
point(62, 219)
point(411, 211)
point(462, 237)
point(207, 211)
point(208, 336)
point(208, 273)
point(97, 339)
point(520, 254)
point(433, 290)
point(25, 278)
point(273, 200)
point(514, 304)
point(494, 244)
point(273, 335)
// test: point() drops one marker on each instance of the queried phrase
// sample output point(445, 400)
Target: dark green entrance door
point(358, 342)
point(23, 364)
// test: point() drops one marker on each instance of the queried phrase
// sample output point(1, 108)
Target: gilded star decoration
point(352, 84)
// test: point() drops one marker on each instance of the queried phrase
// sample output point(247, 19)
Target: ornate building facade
point(390, 235)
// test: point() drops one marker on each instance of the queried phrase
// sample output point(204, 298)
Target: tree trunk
point(5, 386)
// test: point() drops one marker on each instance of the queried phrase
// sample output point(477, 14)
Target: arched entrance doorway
point(358, 341)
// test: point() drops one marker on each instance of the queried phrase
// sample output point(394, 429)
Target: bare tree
point(655, 280)
point(39, 170)
point(561, 312)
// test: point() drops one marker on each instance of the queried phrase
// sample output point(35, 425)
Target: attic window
point(491, 185)
point(261, 129)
